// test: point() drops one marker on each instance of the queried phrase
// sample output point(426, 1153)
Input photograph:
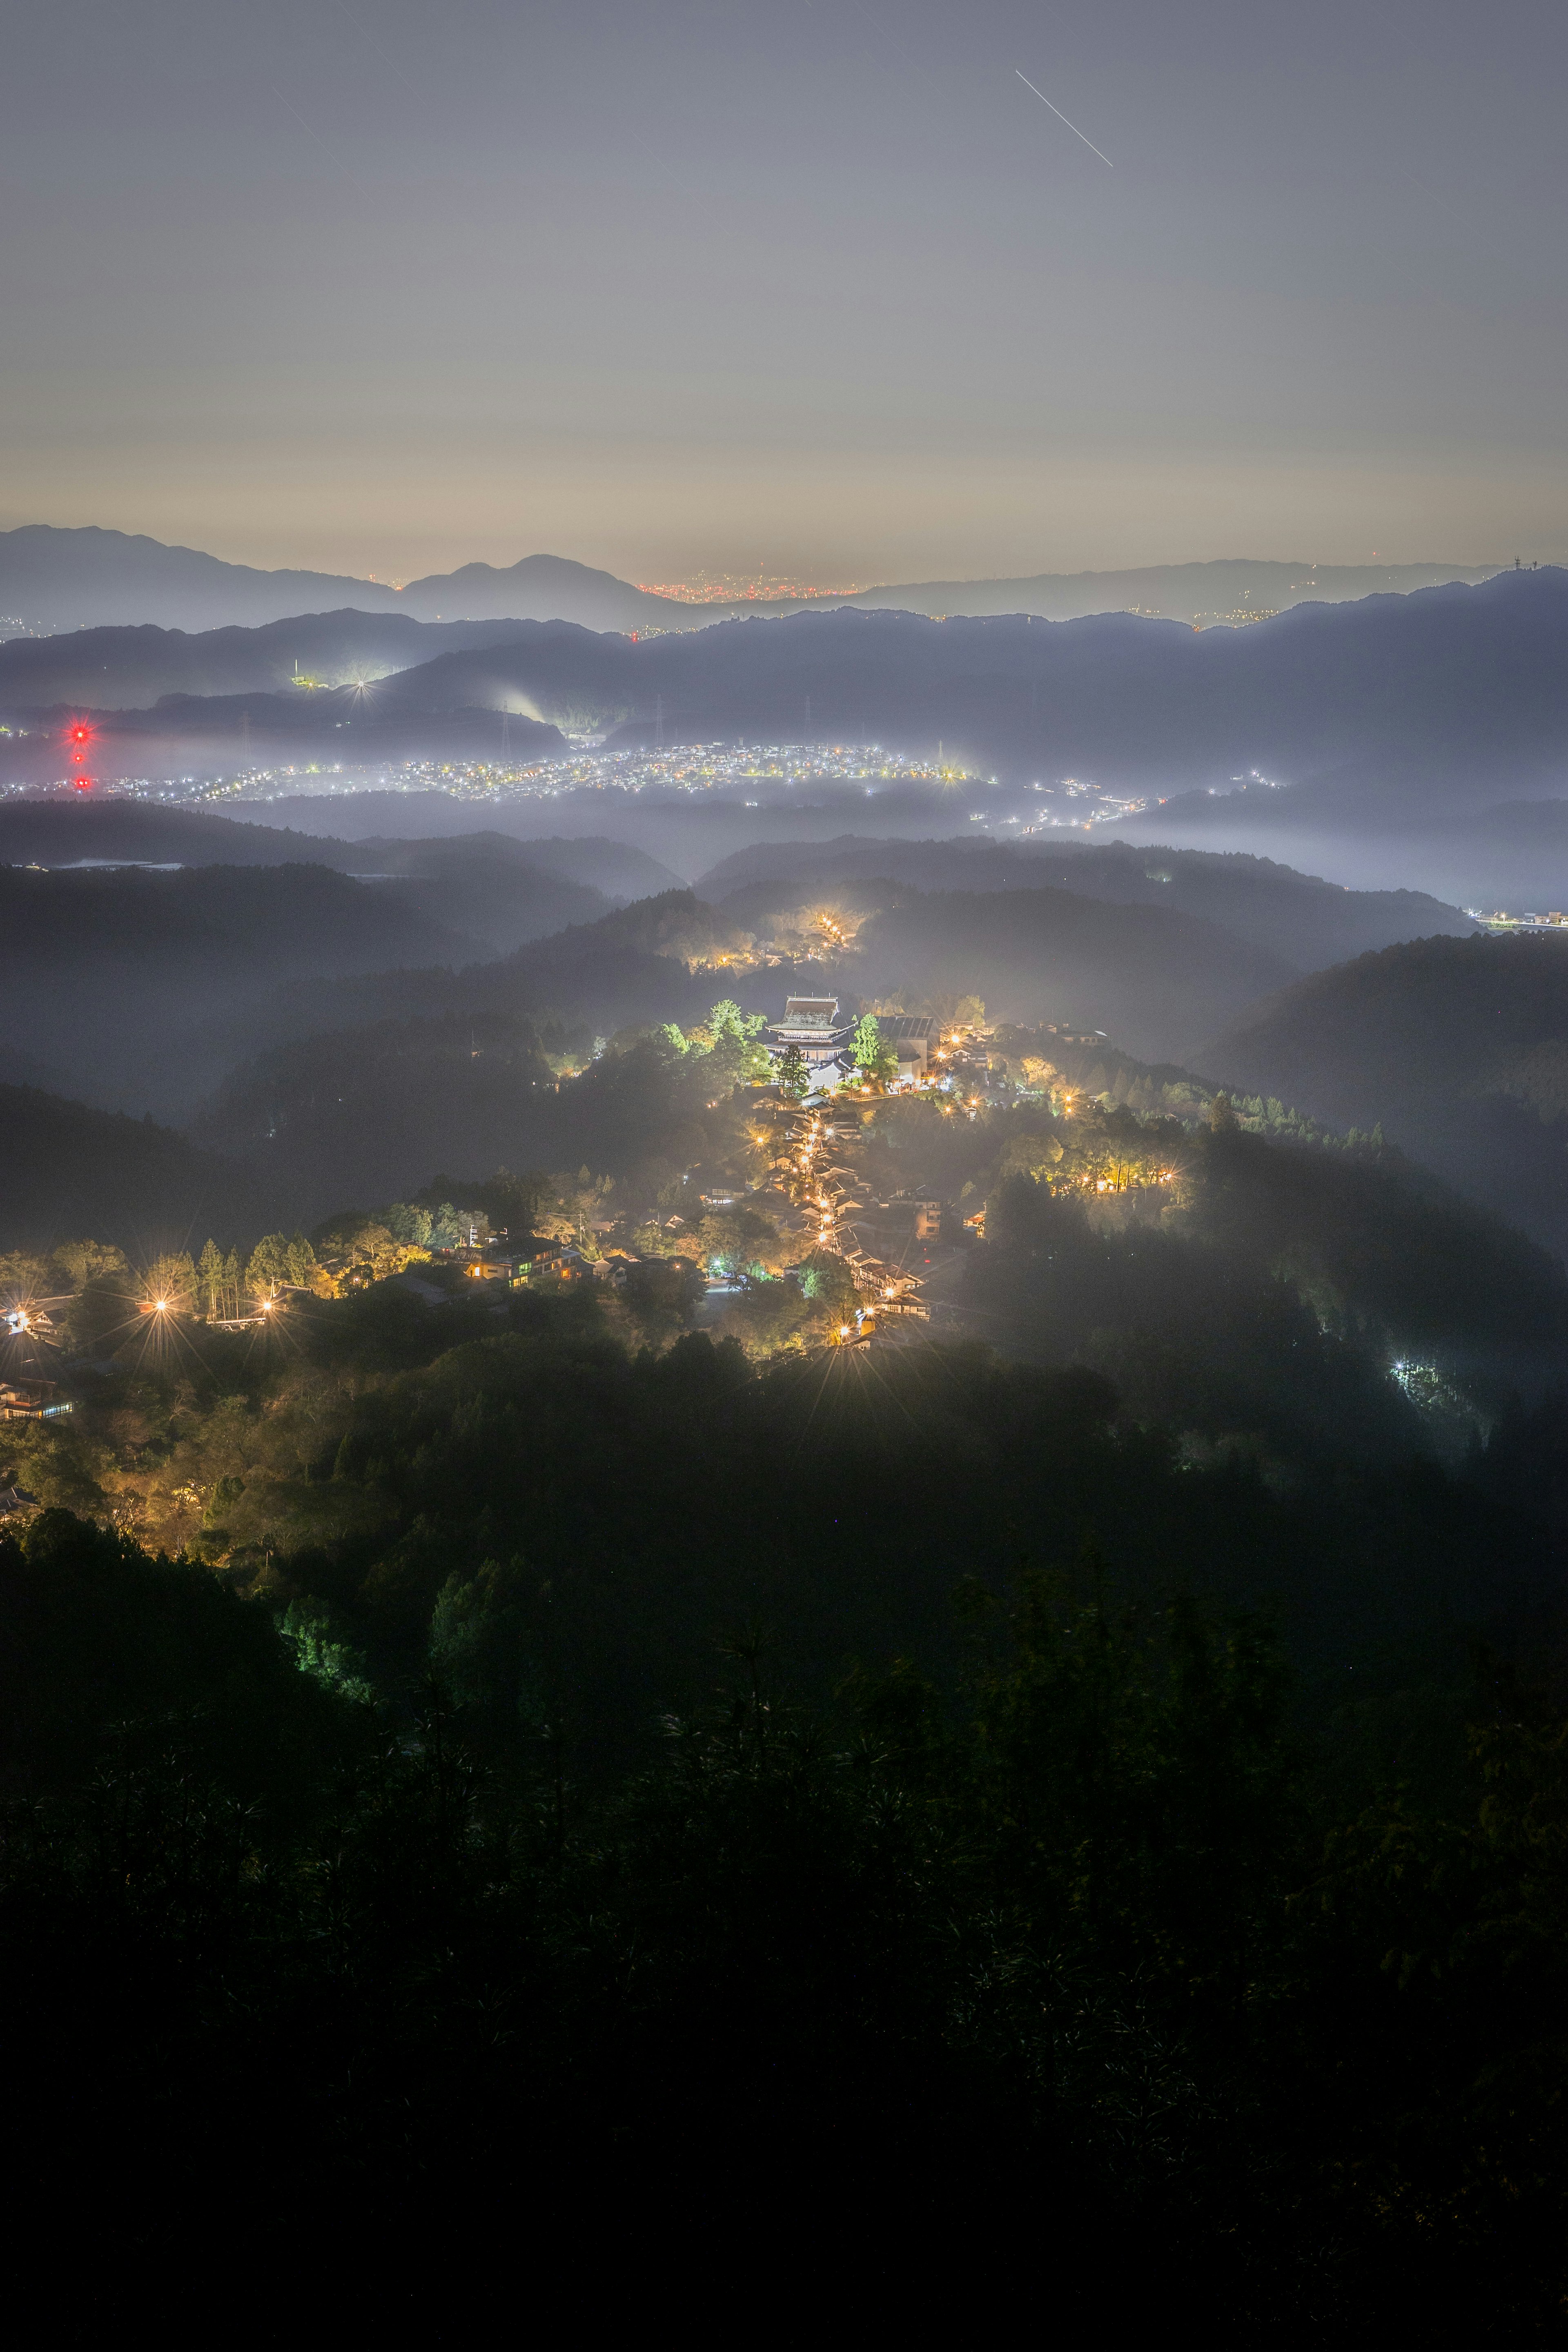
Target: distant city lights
point(751, 775)
point(737, 588)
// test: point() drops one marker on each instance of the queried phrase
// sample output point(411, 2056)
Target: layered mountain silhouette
point(1450, 698)
point(53, 580)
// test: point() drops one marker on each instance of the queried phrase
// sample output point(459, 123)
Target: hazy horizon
point(812, 578)
point(823, 295)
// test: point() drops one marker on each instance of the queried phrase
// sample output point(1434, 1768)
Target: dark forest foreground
point(1080, 1979)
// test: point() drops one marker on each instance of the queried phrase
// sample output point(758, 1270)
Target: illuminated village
point(798, 1237)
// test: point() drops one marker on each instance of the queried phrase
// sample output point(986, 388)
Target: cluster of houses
point(31, 1401)
point(531, 1260)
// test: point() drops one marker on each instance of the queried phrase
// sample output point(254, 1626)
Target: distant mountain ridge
point(1454, 695)
point(131, 667)
point(54, 580)
point(1228, 591)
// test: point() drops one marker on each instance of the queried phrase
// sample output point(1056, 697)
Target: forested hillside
point(66, 1169)
point(111, 976)
point(1307, 921)
point(1459, 1047)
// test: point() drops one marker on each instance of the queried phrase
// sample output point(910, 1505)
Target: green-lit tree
point(870, 1056)
point(268, 1268)
point(737, 1037)
point(827, 1282)
point(310, 1631)
point(479, 1648)
point(302, 1259)
point(83, 1262)
point(408, 1222)
point(793, 1073)
point(444, 1227)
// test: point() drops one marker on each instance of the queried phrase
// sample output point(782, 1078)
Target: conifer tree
point(209, 1280)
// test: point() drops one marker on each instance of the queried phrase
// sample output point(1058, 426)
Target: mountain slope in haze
point(546, 588)
point(1490, 854)
point(1149, 976)
point(372, 1114)
point(1459, 1049)
point(343, 723)
point(131, 668)
point(107, 975)
point(1452, 696)
point(484, 892)
point(53, 580)
point(1307, 921)
point(71, 829)
point(1234, 591)
point(1155, 980)
point(68, 1172)
point(1146, 975)
point(593, 978)
point(607, 861)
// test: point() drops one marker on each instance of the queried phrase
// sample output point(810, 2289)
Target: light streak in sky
point(1062, 118)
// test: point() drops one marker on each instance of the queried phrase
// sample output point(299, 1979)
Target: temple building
point(812, 1023)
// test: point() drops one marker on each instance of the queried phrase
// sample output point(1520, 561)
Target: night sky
point(806, 286)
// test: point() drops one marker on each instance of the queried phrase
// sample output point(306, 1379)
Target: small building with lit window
point(911, 1038)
